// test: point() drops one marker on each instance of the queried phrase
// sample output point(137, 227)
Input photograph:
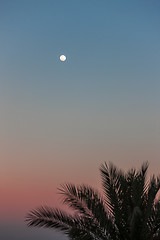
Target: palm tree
point(128, 210)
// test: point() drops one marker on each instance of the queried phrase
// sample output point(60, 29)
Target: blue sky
point(102, 103)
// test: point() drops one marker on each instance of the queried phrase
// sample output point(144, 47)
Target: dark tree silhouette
point(129, 209)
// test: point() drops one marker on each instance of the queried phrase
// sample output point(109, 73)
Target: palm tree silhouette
point(129, 209)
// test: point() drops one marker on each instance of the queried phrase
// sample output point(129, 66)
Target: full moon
point(63, 58)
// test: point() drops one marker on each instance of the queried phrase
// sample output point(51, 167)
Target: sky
point(61, 120)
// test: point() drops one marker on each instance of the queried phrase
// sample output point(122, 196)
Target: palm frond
point(51, 218)
point(114, 184)
point(86, 201)
point(150, 201)
point(71, 197)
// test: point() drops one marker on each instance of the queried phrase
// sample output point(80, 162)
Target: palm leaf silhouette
point(128, 210)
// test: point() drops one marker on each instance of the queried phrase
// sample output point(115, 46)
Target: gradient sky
point(60, 121)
